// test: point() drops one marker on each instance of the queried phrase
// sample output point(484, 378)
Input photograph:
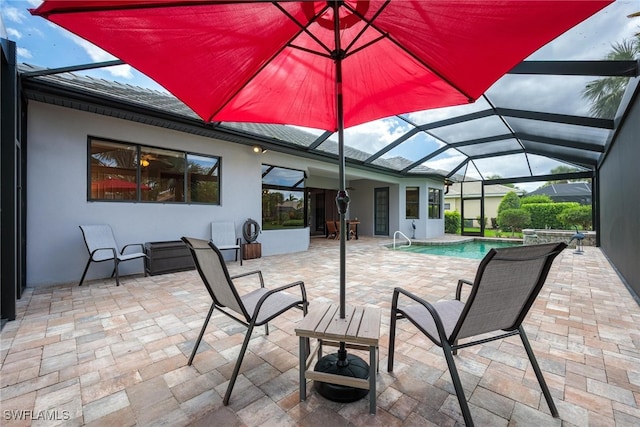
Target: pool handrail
point(403, 235)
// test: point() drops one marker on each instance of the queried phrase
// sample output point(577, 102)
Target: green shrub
point(509, 201)
point(514, 219)
point(545, 215)
point(576, 216)
point(451, 222)
point(540, 198)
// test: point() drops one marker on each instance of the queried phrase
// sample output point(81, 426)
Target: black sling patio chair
point(102, 247)
point(253, 309)
point(507, 282)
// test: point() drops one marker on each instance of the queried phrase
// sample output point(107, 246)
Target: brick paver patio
point(106, 355)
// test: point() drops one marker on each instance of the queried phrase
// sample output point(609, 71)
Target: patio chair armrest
point(430, 308)
point(299, 283)
point(249, 273)
point(459, 288)
point(132, 244)
point(113, 251)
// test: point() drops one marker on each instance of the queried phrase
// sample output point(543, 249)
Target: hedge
point(545, 215)
point(451, 222)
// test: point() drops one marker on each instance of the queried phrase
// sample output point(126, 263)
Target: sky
point(43, 44)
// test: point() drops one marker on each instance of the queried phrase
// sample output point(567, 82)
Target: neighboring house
point(185, 174)
point(493, 194)
point(568, 192)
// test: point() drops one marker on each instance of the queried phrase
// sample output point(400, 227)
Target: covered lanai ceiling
point(534, 119)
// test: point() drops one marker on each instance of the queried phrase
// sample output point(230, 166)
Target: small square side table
point(360, 329)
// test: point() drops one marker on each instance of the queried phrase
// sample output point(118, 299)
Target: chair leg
point(116, 271)
point(392, 339)
point(305, 306)
point(85, 272)
point(457, 385)
point(536, 369)
point(204, 327)
point(236, 369)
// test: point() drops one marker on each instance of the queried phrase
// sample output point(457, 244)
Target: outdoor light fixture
point(447, 183)
point(259, 149)
point(144, 163)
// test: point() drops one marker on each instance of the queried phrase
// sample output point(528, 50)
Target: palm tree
point(605, 94)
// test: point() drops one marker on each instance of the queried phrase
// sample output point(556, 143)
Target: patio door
point(381, 215)
point(472, 209)
point(321, 208)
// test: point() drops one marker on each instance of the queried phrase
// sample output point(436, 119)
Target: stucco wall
point(57, 195)
point(57, 188)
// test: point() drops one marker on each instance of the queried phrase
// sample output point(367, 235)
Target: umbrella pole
point(341, 363)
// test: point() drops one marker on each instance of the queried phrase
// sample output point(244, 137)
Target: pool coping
point(453, 241)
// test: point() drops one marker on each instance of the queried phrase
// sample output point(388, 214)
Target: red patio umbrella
point(322, 64)
point(115, 184)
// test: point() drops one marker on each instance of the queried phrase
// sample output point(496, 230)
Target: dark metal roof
point(162, 109)
point(564, 189)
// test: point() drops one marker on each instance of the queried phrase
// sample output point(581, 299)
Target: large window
point(412, 202)
point(131, 172)
point(435, 203)
point(282, 198)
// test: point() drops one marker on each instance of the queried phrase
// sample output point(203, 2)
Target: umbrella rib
point(305, 29)
point(306, 49)
point(368, 24)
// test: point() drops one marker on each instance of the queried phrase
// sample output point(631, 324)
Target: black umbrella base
point(355, 367)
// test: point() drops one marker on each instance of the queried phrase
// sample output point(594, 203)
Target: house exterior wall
point(57, 194)
point(362, 207)
point(619, 199)
point(493, 195)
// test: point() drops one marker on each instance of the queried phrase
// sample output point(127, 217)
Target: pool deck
point(102, 355)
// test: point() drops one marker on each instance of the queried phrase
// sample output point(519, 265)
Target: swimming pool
point(475, 249)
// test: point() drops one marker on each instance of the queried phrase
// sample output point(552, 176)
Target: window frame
point(139, 148)
point(432, 203)
point(299, 187)
point(415, 204)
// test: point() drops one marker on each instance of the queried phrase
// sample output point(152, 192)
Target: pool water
point(475, 249)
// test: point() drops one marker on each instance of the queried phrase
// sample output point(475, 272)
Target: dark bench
point(167, 257)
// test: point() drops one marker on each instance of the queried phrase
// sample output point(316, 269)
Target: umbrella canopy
point(229, 60)
point(323, 64)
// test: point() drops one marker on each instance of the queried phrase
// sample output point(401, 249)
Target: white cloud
point(373, 136)
point(14, 14)
point(12, 32)
point(99, 55)
point(23, 53)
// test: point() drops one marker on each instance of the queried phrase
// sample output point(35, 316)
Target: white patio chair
point(223, 235)
point(102, 247)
